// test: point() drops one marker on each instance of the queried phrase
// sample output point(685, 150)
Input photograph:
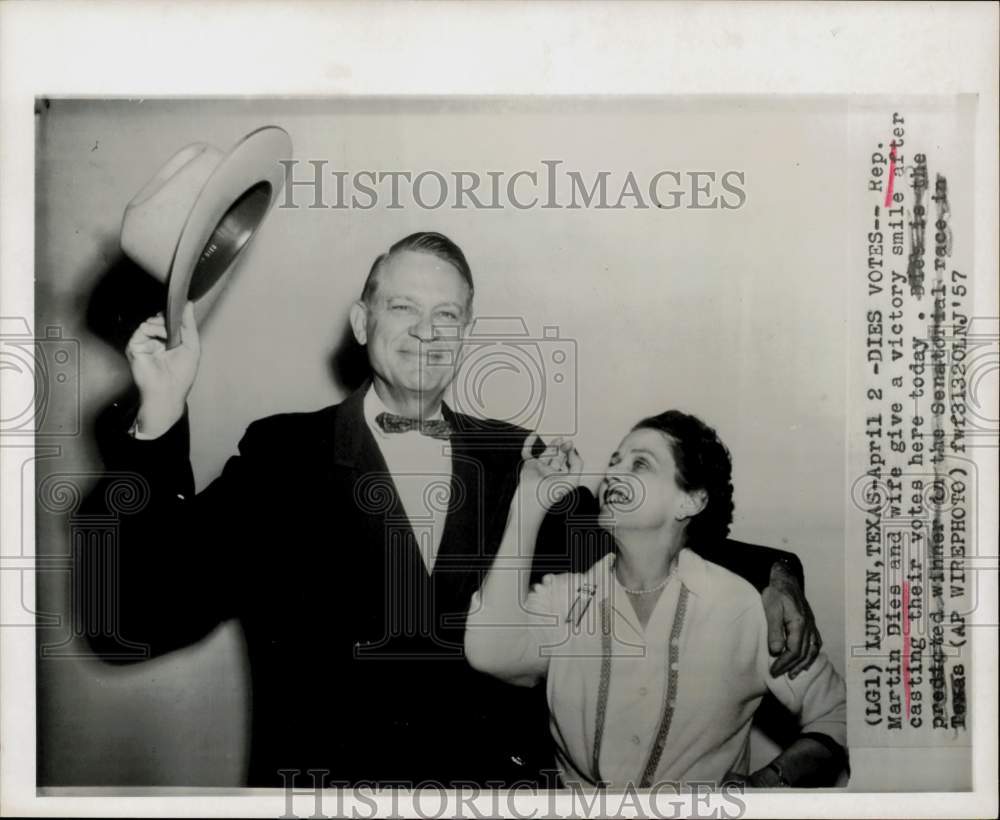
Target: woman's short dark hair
point(436, 244)
point(703, 463)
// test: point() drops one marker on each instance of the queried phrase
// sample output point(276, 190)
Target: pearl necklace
point(657, 588)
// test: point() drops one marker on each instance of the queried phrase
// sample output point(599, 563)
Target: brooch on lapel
point(585, 594)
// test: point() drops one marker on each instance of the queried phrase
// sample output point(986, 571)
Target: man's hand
point(549, 477)
point(164, 377)
point(790, 624)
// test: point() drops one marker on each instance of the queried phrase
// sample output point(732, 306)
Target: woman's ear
point(692, 504)
point(359, 322)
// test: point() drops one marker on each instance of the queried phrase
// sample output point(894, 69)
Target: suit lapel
point(361, 470)
point(462, 535)
point(361, 474)
point(392, 591)
point(462, 556)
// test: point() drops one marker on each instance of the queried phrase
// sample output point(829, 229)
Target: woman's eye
point(640, 464)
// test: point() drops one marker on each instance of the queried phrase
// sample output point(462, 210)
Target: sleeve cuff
point(176, 438)
point(137, 434)
point(163, 459)
point(839, 751)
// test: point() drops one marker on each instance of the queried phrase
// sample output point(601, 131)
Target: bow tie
point(435, 428)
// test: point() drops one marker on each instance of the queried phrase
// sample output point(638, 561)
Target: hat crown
point(155, 216)
point(191, 221)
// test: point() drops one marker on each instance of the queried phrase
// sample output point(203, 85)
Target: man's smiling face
point(413, 324)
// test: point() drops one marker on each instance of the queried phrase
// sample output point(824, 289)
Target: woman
point(655, 659)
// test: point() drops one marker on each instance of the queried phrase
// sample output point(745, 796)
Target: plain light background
point(737, 316)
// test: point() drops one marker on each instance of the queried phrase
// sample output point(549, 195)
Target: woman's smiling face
point(639, 489)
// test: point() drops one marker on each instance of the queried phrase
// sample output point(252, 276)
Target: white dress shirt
point(673, 702)
point(421, 471)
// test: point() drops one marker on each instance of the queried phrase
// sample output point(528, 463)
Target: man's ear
point(469, 322)
point(692, 504)
point(359, 322)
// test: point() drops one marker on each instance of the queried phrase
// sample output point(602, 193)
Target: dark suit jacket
point(355, 652)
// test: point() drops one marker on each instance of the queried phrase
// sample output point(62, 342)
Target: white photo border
point(157, 49)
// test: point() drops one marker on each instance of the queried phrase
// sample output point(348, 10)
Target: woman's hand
point(547, 478)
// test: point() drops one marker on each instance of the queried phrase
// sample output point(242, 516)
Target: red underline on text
point(892, 173)
point(906, 645)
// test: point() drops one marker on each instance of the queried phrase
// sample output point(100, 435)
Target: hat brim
point(226, 214)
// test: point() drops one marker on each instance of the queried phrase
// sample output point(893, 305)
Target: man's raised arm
point(166, 578)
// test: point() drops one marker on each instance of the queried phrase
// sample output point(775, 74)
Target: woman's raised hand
point(548, 477)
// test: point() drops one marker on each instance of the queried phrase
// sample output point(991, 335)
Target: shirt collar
point(692, 571)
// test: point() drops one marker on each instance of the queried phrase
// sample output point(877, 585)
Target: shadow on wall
point(125, 295)
point(109, 703)
point(348, 364)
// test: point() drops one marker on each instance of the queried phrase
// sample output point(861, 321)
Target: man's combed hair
point(703, 463)
point(436, 244)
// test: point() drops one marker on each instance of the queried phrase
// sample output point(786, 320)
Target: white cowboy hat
point(189, 223)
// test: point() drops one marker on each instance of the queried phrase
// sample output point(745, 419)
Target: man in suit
point(348, 542)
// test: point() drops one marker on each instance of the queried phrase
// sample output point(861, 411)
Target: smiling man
point(415, 306)
point(348, 542)
point(414, 309)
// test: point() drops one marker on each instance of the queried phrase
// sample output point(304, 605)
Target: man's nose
point(424, 329)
